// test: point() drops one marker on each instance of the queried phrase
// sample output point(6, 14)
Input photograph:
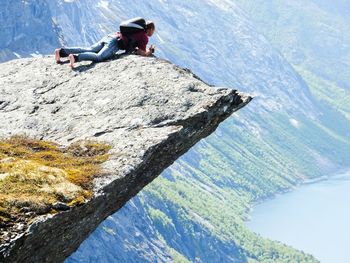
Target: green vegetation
point(177, 257)
point(217, 184)
point(327, 91)
point(160, 219)
point(35, 174)
point(109, 230)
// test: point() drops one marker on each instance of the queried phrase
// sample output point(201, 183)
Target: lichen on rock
point(39, 177)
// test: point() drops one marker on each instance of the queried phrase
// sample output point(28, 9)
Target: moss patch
point(36, 174)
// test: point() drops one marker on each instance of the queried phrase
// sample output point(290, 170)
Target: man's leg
point(108, 50)
point(65, 51)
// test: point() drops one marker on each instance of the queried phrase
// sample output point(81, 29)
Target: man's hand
point(150, 51)
point(147, 53)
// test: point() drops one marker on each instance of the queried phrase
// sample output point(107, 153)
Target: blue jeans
point(100, 51)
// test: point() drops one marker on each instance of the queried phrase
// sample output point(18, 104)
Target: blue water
point(314, 218)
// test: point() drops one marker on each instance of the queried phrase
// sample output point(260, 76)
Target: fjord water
point(314, 218)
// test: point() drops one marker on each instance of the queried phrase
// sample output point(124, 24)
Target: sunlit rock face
point(149, 110)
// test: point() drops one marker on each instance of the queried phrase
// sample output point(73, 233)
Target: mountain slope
point(27, 29)
point(314, 38)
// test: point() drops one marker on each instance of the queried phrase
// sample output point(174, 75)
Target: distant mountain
point(27, 29)
point(314, 37)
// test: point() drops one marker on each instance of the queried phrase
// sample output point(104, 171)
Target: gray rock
point(60, 206)
point(149, 111)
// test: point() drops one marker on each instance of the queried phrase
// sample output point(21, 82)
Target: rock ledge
point(149, 111)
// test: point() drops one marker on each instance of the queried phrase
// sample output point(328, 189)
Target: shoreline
point(308, 181)
point(336, 184)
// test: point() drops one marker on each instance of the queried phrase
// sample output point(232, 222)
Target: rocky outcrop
point(149, 111)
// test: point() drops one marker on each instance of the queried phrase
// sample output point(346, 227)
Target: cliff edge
point(149, 111)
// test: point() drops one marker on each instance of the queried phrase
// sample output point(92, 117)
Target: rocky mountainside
point(149, 111)
point(27, 29)
point(317, 45)
point(317, 33)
